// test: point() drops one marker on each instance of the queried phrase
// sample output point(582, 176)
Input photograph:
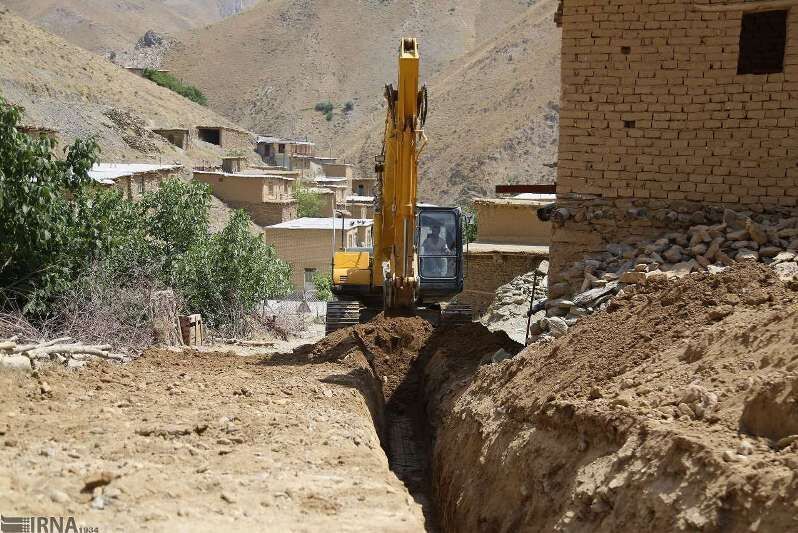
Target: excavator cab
point(439, 242)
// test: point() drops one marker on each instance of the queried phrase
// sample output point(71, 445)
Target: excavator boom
point(417, 260)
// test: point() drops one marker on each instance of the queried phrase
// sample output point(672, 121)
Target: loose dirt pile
point(673, 409)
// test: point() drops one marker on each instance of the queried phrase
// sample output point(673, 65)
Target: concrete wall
point(509, 221)
point(304, 248)
point(485, 272)
point(657, 127)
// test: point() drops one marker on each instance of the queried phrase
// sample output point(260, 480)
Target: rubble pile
point(509, 309)
point(702, 248)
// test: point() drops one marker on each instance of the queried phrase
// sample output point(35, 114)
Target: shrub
point(164, 79)
point(323, 286)
point(324, 107)
point(328, 116)
point(309, 201)
point(349, 106)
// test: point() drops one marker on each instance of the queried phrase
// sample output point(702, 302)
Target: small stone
point(745, 448)
point(673, 254)
point(227, 497)
point(739, 235)
point(714, 247)
point(733, 220)
point(786, 441)
point(556, 326)
point(783, 257)
point(746, 255)
point(756, 232)
point(98, 503)
point(787, 270)
point(686, 410)
point(15, 362)
point(58, 496)
point(720, 312)
point(730, 457)
point(769, 251)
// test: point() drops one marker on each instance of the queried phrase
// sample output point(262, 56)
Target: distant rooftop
point(244, 174)
point(359, 199)
point(108, 173)
point(323, 223)
point(535, 196)
point(271, 139)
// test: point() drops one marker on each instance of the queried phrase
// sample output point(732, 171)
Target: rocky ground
point(509, 310)
point(200, 442)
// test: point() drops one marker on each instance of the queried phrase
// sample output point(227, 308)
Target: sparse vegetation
point(349, 106)
point(61, 235)
point(164, 79)
point(309, 201)
point(324, 107)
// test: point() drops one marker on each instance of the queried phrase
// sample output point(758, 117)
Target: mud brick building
point(672, 111)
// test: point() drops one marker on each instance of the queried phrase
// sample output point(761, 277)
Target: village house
point(231, 139)
point(133, 179)
point(287, 153)
point(363, 186)
point(179, 137)
point(267, 196)
point(307, 244)
point(671, 112)
point(511, 240)
point(360, 206)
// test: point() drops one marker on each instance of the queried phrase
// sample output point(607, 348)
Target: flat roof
point(271, 139)
point(322, 223)
point(358, 199)
point(490, 247)
point(243, 175)
point(184, 130)
point(107, 173)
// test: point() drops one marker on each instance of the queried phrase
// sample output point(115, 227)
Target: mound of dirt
point(673, 409)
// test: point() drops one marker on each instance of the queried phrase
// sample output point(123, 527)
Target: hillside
point(80, 94)
point(492, 67)
point(102, 26)
point(494, 114)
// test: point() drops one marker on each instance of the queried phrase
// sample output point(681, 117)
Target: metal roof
point(108, 173)
point(322, 223)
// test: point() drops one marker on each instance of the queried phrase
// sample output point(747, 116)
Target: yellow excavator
point(416, 263)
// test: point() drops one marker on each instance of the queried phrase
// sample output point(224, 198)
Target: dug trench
point(411, 365)
point(672, 410)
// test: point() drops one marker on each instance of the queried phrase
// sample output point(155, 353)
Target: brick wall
point(485, 272)
point(654, 113)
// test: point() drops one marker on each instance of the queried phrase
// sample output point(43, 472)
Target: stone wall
point(485, 272)
point(657, 124)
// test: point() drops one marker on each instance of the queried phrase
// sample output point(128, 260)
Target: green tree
point(232, 270)
point(309, 202)
point(50, 222)
point(323, 285)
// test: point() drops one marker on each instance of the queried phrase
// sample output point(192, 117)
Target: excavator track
point(456, 314)
point(341, 314)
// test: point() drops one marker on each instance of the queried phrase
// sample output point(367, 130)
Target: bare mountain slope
point(494, 114)
point(80, 94)
point(101, 25)
point(267, 68)
point(493, 69)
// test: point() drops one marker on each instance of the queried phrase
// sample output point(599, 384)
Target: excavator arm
point(394, 218)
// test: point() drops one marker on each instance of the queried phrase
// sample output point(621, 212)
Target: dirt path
point(201, 442)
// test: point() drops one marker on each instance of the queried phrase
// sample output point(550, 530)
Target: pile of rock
point(508, 312)
point(701, 248)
